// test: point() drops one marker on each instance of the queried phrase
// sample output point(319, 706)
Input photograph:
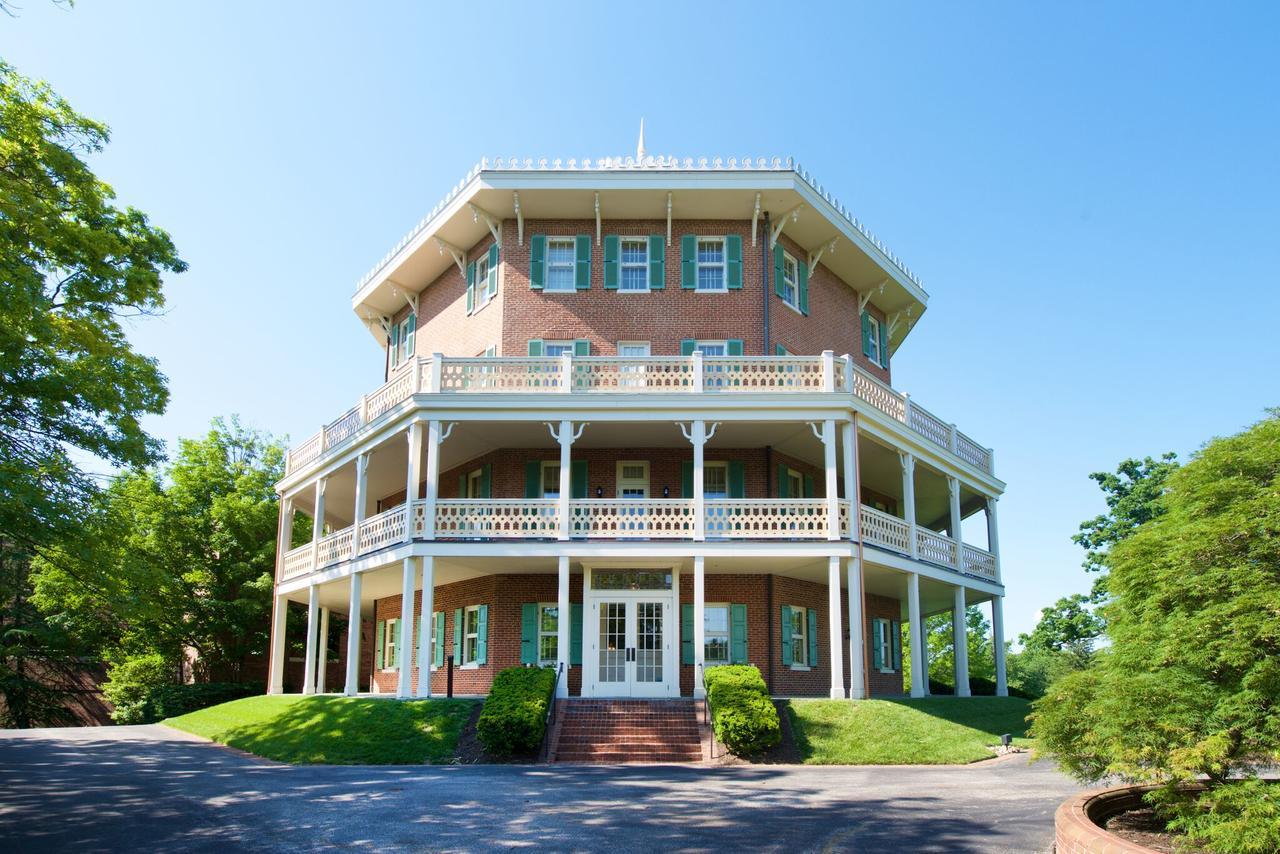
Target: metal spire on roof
point(640, 144)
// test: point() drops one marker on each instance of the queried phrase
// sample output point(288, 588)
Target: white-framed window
point(561, 263)
point(482, 281)
point(882, 628)
point(475, 484)
point(470, 634)
point(715, 627)
point(551, 479)
point(633, 349)
point(790, 285)
point(712, 348)
point(548, 633)
point(874, 350)
point(634, 272)
point(489, 352)
point(389, 644)
point(633, 479)
point(557, 348)
point(799, 637)
point(402, 335)
point(715, 480)
point(795, 484)
point(711, 264)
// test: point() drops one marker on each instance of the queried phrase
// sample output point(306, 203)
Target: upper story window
point(561, 260)
point(551, 479)
point(712, 348)
point(483, 293)
point(875, 340)
point(557, 348)
point(711, 266)
point(402, 335)
point(789, 287)
point(715, 480)
point(635, 264)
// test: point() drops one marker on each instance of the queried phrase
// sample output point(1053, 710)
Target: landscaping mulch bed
point(1142, 827)
point(471, 752)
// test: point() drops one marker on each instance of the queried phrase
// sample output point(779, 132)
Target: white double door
point(631, 642)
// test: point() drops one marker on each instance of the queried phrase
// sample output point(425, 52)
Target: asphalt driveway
point(152, 788)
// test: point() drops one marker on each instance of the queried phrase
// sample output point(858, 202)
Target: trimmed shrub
point(130, 683)
point(169, 701)
point(743, 716)
point(514, 717)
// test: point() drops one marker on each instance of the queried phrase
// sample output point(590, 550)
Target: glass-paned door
point(632, 649)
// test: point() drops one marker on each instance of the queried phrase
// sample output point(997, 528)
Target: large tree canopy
point(1190, 686)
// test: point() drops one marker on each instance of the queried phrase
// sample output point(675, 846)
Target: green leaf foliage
point(514, 717)
point(743, 716)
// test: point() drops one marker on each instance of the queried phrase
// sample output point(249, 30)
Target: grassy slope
point(334, 730)
point(932, 731)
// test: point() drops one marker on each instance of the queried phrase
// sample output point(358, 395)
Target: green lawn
point(931, 731)
point(334, 730)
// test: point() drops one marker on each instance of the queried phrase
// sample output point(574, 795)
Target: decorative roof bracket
point(793, 215)
point(459, 257)
point(755, 215)
point(519, 218)
point(815, 257)
point(411, 299)
point(494, 223)
point(866, 296)
point(900, 317)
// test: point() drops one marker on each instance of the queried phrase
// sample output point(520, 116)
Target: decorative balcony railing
point(641, 519)
point(638, 375)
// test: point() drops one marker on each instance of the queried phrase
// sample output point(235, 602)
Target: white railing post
point(566, 372)
point(993, 535)
point(364, 409)
point(960, 641)
point(404, 643)
point(362, 486)
point(284, 534)
point(832, 481)
point(352, 685)
point(427, 629)
point(699, 439)
point(906, 409)
point(848, 373)
point(836, 629)
point(417, 375)
point(566, 480)
point(317, 523)
point(414, 477)
point(433, 477)
point(437, 368)
point(699, 625)
point(954, 440)
point(828, 370)
point(991, 460)
point(917, 645)
point(953, 488)
point(852, 487)
point(909, 499)
point(696, 384)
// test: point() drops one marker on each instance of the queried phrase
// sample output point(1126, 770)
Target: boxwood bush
point(514, 717)
point(743, 717)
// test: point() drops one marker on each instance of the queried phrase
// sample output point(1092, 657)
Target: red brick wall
point(764, 596)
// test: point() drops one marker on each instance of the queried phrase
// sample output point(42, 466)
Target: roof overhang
point(662, 189)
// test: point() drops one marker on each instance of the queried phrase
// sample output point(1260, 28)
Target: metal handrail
point(545, 750)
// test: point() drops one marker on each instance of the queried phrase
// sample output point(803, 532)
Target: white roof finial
point(640, 144)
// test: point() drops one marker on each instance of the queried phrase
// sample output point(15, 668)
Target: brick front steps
point(629, 731)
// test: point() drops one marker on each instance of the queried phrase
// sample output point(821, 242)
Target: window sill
point(471, 665)
point(547, 290)
point(711, 291)
point(793, 307)
point(803, 668)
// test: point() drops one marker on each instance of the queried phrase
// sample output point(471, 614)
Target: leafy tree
point(183, 560)
point(1190, 686)
point(72, 267)
point(941, 646)
point(1068, 627)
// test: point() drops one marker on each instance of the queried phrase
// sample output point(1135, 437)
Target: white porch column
point(699, 625)
point(279, 618)
point(909, 498)
point(566, 474)
point(960, 641)
point(698, 437)
point(322, 651)
point(317, 522)
point(913, 620)
point(993, 534)
point(433, 477)
point(834, 607)
point(852, 490)
point(413, 477)
point(362, 489)
point(404, 643)
point(564, 619)
point(997, 638)
point(833, 483)
point(953, 490)
point(353, 637)
point(426, 626)
point(284, 534)
point(923, 634)
point(309, 660)
point(857, 657)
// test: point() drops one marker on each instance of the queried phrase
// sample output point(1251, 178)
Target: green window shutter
point(808, 486)
point(802, 285)
point(786, 635)
point(420, 634)
point(686, 479)
point(575, 633)
point(438, 651)
point(657, 262)
point(884, 345)
point(492, 283)
point(482, 639)
point(687, 346)
point(895, 638)
point(784, 482)
point(689, 262)
point(733, 347)
point(686, 634)
point(578, 479)
point(379, 642)
point(737, 634)
point(471, 286)
point(486, 481)
point(413, 329)
point(779, 350)
point(737, 479)
point(529, 633)
point(612, 250)
point(733, 261)
point(413, 640)
point(877, 645)
point(582, 255)
point(396, 647)
point(457, 635)
point(535, 346)
point(533, 479)
point(813, 638)
point(537, 261)
point(866, 334)
point(462, 485)
point(779, 269)
point(581, 347)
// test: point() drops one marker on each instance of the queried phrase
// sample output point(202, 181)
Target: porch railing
point(497, 518)
point(382, 530)
point(890, 532)
point(647, 518)
point(637, 375)
point(297, 561)
point(767, 518)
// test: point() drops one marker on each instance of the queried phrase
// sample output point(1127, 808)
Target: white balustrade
point(632, 375)
point(651, 518)
point(305, 453)
point(418, 517)
point(394, 392)
point(297, 562)
point(766, 518)
point(935, 548)
point(882, 529)
point(845, 519)
point(879, 395)
point(973, 453)
point(497, 518)
point(511, 375)
point(764, 374)
point(978, 561)
point(930, 426)
point(334, 547)
point(346, 426)
point(382, 530)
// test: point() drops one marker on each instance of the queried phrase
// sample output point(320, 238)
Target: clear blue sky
point(1090, 191)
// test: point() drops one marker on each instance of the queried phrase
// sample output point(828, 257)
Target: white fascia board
point(674, 180)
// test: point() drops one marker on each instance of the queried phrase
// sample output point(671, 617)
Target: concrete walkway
point(153, 788)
